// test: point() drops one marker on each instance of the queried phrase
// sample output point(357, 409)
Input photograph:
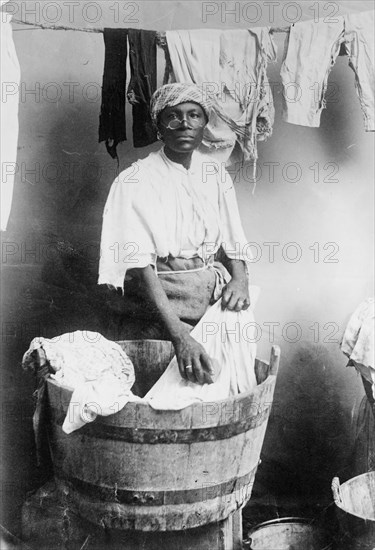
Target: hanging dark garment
point(142, 54)
point(112, 125)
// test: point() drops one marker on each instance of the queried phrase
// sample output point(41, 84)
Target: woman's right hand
point(193, 361)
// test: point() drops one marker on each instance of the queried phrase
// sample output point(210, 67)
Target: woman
point(165, 219)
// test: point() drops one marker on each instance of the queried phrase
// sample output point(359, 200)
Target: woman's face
point(188, 134)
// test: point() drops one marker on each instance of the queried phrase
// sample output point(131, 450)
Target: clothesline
point(57, 27)
point(160, 34)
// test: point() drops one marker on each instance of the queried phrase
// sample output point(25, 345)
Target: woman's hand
point(235, 295)
point(193, 362)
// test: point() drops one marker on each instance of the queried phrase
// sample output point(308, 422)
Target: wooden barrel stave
point(117, 454)
point(212, 451)
point(153, 518)
point(197, 416)
point(111, 462)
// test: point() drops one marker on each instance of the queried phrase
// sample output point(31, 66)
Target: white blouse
point(156, 208)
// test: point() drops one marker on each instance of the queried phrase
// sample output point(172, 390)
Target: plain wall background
point(309, 439)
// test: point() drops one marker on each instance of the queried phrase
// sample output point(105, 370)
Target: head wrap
point(171, 95)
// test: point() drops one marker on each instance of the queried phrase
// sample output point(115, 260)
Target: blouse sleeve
point(127, 239)
point(234, 242)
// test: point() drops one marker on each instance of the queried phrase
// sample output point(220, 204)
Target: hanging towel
point(112, 124)
point(10, 81)
point(142, 55)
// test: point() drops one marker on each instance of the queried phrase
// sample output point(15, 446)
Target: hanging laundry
point(359, 346)
point(142, 55)
point(358, 341)
point(231, 68)
point(312, 51)
point(112, 125)
point(246, 67)
point(168, 69)
point(195, 59)
point(359, 45)
point(10, 82)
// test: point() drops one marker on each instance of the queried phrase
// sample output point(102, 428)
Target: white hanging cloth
point(10, 82)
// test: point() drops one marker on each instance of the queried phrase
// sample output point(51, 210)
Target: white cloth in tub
point(229, 338)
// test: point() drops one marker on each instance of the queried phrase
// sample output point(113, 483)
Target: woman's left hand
point(235, 295)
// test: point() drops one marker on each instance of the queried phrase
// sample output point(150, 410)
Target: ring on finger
point(189, 367)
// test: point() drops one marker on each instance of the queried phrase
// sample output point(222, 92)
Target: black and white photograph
point(187, 275)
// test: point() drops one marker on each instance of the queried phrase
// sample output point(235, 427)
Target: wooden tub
point(355, 508)
point(149, 470)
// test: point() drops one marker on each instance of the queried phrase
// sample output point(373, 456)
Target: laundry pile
point(98, 370)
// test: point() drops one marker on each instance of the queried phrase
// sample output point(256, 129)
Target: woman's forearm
point(157, 297)
point(193, 362)
point(237, 268)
